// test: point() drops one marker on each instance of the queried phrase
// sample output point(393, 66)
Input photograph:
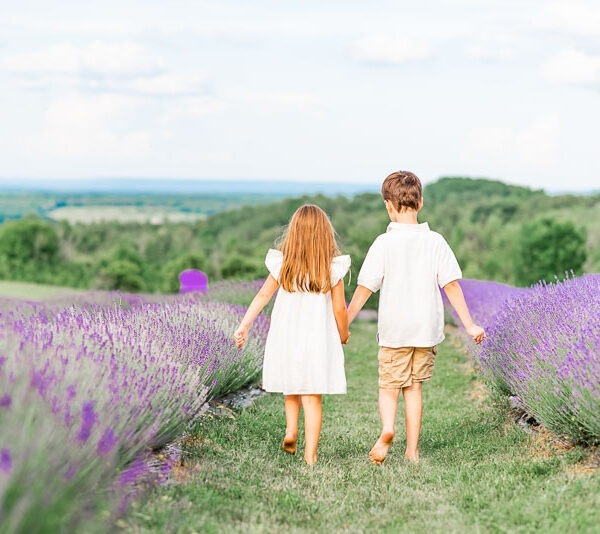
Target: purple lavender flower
point(140, 370)
point(134, 473)
point(88, 420)
point(70, 472)
point(5, 401)
point(543, 346)
point(5, 461)
point(107, 442)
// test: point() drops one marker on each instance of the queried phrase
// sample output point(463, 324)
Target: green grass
point(479, 472)
point(30, 291)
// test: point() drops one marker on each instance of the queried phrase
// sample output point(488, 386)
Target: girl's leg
point(388, 403)
point(313, 416)
point(413, 414)
point(292, 405)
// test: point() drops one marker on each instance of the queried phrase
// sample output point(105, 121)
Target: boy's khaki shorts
point(400, 367)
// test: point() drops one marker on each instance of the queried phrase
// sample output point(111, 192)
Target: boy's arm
point(258, 303)
point(457, 300)
point(339, 311)
point(361, 295)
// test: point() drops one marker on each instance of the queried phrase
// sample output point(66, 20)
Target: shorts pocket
point(385, 355)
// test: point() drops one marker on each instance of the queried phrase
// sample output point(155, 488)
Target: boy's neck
point(405, 217)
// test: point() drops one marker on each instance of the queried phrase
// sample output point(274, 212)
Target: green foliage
point(173, 269)
point(29, 249)
point(29, 240)
point(474, 188)
point(124, 275)
point(481, 219)
point(548, 248)
point(237, 266)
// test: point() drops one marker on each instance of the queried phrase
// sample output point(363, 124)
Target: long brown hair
point(308, 248)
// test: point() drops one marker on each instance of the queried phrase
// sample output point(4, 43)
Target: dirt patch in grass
point(589, 465)
point(544, 444)
point(479, 391)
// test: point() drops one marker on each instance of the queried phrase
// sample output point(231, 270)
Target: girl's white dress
point(303, 353)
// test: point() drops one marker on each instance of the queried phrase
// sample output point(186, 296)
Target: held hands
point(476, 332)
point(240, 336)
point(346, 339)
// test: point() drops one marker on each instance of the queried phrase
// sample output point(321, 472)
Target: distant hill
point(135, 241)
point(173, 186)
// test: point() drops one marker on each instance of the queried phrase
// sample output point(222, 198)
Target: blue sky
point(320, 91)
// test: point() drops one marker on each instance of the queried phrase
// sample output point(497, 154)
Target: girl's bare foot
point(289, 443)
point(381, 448)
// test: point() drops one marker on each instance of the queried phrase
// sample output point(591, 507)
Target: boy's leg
point(413, 416)
point(292, 405)
point(388, 403)
point(313, 417)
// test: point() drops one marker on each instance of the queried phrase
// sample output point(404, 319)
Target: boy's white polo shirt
point(409, 263)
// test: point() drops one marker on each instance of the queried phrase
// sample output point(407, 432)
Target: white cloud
point(194, 107)
point(97, 59)
point(573, 17)
point(168, 84)
point(126, 67)
point(275, 101)
point(293, 100)
point(572, 66)
point(78, 127)
point(532, 148)
point(391, 48)
point(488, 53)
point(537, 145)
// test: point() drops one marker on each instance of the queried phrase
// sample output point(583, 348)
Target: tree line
point(499, 232)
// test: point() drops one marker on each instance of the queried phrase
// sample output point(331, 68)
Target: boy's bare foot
point(289, 444)
point(310, 460)
point(381, 448)
point(412, 458)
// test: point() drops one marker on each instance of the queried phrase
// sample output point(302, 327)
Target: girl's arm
point(457, 300)
point(339, 310)
point(258, 303)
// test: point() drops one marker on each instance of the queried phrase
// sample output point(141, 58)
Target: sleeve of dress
point(339, 268)
point(274, 261)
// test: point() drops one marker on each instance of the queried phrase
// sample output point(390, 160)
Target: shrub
point(548, 248)
point(85, 390)
point(543, 346)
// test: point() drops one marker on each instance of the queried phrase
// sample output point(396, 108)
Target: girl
point(304, 357)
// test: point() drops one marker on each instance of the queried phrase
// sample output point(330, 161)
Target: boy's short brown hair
point(403, 189)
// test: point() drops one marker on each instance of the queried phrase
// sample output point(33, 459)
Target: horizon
point(155, 185)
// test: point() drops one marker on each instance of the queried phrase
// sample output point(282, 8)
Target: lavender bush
point(83, 391)
point(543, 345)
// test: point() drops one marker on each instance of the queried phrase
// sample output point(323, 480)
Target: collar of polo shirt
point(405, 226)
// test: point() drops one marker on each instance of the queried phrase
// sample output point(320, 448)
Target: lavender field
point(88, 388)
point(543, 348)
point(91, 382)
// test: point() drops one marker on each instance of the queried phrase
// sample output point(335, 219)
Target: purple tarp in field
point(193, 280)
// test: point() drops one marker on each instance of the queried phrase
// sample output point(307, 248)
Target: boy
point(407, 264)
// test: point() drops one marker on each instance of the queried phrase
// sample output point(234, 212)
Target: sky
point(336, 91)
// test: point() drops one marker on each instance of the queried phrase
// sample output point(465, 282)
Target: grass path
point(479, 472)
